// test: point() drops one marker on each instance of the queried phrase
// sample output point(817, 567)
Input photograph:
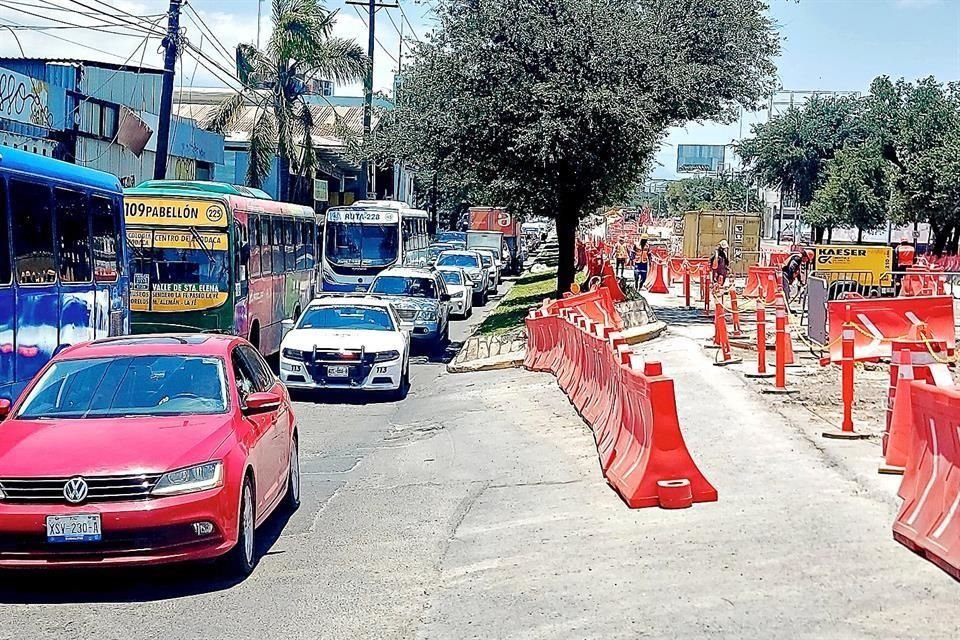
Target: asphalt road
point(475, 509)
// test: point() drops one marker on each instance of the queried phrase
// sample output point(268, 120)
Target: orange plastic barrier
point(630, 407)
point(880, 321)
point(608, 280)
point(659, 284)
point(929, 519)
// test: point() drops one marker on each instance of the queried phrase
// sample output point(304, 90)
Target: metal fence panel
point(817, 310)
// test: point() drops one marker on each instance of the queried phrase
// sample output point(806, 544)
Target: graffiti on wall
point(24, 99)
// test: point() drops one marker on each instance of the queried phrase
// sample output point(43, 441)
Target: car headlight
point(456, 294)
point(387, 356)
point(294, 354)
point(427, 315)
point(201, 477)
point(2, 496)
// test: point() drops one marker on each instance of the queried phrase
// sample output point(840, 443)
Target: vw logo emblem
point(76, 490)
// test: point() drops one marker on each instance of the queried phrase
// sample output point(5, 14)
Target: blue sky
point(838, 45)
point(842, 45)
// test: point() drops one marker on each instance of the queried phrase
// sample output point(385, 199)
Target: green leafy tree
point(715, 194)
point(917, 126)
point(790, 152)
point(301, 48)
point(554, 107)
point(855, 192)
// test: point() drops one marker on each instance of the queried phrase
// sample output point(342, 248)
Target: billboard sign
point(697, 158)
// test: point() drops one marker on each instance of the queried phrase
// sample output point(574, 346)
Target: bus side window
point(73, 235)
point(289, 244)
point(266, 239)
point(6, 272)
point(106, 249)
point(313, 244)
point(32, 233)
point(278, 245)
point(301, 242)
point(253, 223)
point(241, 248)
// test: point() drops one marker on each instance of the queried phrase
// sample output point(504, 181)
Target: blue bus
point(63, 275)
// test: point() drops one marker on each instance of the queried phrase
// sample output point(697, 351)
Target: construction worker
point(641, 263)
point(720, 263)
point(620, 253)
point(793, 270)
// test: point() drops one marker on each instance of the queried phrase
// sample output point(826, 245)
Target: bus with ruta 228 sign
point(215, 257)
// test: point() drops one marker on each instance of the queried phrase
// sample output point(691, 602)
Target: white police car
point(346, 342)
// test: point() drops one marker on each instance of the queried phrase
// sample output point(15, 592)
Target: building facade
point(99, 115)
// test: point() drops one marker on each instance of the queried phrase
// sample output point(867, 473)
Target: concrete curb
point(638, 335)
point(503, 361)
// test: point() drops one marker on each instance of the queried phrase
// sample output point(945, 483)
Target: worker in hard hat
point(620, 254)
point(904, 256)
point(720, 263)
point(794, 270)
point(641, 262)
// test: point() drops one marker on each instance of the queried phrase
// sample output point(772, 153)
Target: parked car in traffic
point(420, 299)
point(460, 289)
point(146, 450)
point(472, 265)
point(434, 250)
point(352, 342)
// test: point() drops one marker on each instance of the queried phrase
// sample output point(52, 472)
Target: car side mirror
point(4, 408)
point(262, 402)
point(445, 297)
point(286, 325)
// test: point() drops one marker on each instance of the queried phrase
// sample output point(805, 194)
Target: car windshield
point(451, 236)
point(124, 386)
point(178, 269)
point(458, 260)
point(405, 286)
point(452, 277)
point(437, 249)
point(354, 244)
point(348, 318)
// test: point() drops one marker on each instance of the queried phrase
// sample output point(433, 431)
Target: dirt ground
point(818, 389)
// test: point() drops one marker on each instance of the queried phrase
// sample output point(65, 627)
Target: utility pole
point(368, 172)
point(259, 13)
point(171, 44)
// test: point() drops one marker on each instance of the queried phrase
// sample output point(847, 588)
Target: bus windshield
point(355, 244)
point(178, 269)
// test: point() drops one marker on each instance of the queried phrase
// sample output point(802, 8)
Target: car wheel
point(293, 477)
point(243, 557)
point(469, 312)
point(400, 393)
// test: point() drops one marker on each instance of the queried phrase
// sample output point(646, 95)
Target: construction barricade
point(630, 406)
point(878, 322)
point(929, 519)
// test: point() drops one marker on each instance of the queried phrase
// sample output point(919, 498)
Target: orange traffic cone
point(901, 427)
point(722, 338)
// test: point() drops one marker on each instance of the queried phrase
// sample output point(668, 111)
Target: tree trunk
point(567, 239)
point(955, 240)
point(859, 235)
point(829, 235)
point(941, 235)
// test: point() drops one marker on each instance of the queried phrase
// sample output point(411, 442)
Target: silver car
point(420, 298)
point(472, 264)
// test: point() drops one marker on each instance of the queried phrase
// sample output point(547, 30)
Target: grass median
point(529, 291)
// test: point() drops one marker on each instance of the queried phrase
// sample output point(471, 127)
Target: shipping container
point(702, 231)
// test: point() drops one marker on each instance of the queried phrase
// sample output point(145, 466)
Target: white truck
point(492, 240)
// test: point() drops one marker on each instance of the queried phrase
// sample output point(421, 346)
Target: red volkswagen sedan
point(146, 450)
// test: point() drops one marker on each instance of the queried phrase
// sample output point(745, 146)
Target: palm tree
point(274, 80)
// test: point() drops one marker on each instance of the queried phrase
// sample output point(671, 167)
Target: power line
point(67, 24)
point(364, 20)
point(210, 33)
point(407, 20)
point(67, 40)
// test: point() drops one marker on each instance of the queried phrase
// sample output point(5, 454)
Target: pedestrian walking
point(720, 263)
point(620, 253)
point(641, 263)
